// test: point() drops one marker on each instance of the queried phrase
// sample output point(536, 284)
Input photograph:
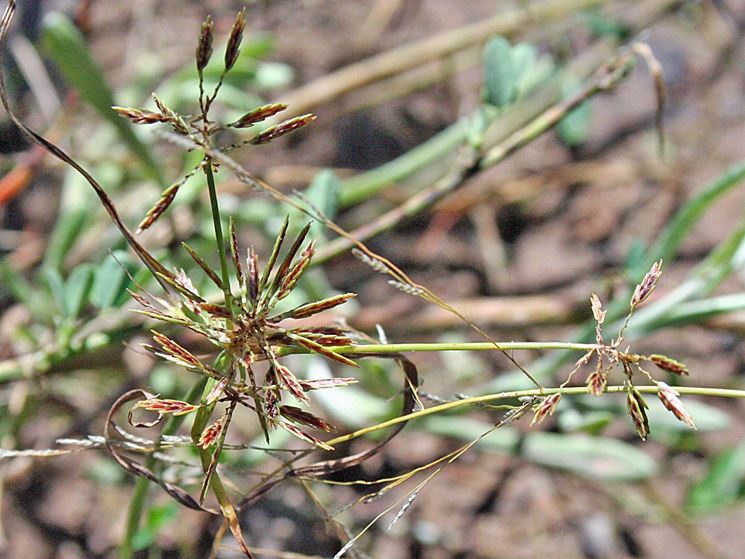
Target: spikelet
point(274, 132)
point(546, 407)
point(259, 114)
point(669, 398)
point(669, 364)
point(204, 46)
point(647, 285)
point(233, 46)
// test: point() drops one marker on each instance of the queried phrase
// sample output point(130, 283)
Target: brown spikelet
point(287, 261)
point(234, 253)
point(252, 275)
point(274, 132)
point(290, 382)
point(647, 285)
point(271, 404)
point(181, 355)
point(596, 382)
point(320, 384)
point(140, 116)
point(204, 46)
point(669, 398)
point(295, 272)
point(669, 364)
point(202, 264)
point(546, 407)
point(210, 435)
point(318, 348)
point(290, 428)
point(258, 114)
point(310, 309)
point(303, 417)
point(328, 340)
point(637, 409)
point(173, 118)
point(233, 47)
point(173, 407)
point(160, 206)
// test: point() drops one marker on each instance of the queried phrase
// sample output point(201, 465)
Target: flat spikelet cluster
point(245, 331)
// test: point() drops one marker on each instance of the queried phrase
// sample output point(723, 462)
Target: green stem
point(139, 494)
point(220, 240)
point(447, 346)
point(514, 394)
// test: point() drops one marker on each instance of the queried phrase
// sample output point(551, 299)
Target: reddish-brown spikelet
point(669, 364)
point(546, 407)
point(202, 264)
point(204, 46)
point(329, 340)
point(258, 114)
point(647, 285)
point(320, 384)
point(274, 132)
point(233, 47)
point(210, 435)
point(234, 253)
point(596, 382)
point(175, 350)
point(289, 381)
point(315, 307)
point(669, 398)
point(318, 348)
point(637, 410)
point(141, 116)
point(252, 275)
point(295, 272)
point(304, 417)
point(160, 206)
point(290, 428)
point(271, 404)
point(174, 407)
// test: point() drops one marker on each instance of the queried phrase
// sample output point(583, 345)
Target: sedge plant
point(250, 338)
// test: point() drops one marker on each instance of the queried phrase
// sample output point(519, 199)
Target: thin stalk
point(220, 240)
point(447, 346)
point(139, 493)
point(536, 392)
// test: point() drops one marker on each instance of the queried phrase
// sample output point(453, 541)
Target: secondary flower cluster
point(609, 357)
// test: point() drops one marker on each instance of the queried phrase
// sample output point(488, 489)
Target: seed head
point(647, 285)
point(637, 408)
point(546, 407)
point(669, 398)
point(259, 114)
point(210, 435)
point(274, 132)
point(140, 116)
point(597, 308)
point(174, 407)
point(596, 382)
point(233, 48)
point(204, 47)
point(669, 364)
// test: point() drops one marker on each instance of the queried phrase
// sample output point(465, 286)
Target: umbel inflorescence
point(246, 330)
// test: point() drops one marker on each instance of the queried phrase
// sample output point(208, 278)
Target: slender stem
point(447, 346)
point(220, 240)
point(511, 395)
